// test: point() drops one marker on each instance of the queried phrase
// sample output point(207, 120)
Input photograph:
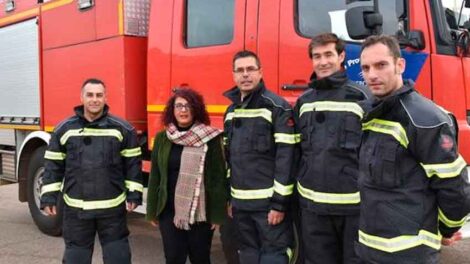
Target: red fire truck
point(143, 49)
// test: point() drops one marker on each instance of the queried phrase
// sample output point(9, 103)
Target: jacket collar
point(334, 81)
point(378, 107)
point(235, 96)
point(79, 111)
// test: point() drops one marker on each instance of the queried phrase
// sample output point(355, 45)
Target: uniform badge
point(290, 122)
point(446, 142)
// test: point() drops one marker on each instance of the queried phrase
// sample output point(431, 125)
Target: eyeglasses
point(181, 107)
point(248, 70)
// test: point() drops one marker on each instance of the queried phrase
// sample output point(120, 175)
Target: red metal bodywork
point(141, 72)
point(76, 45)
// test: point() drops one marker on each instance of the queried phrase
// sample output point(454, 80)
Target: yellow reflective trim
point(52, 155)
point(329, 198)
point(391, 128)
point(289, 253)
point(451, 223)
point(286, 138)
point(155, 108)
point(20, 127)
point(92, 205)
point(399, 243)
point(152, 142)
point(216, 109)
point(134, 186)
point(120, 18)
point(55, 4)
point(225, 141)
point(253, 113)
point(19, 16)
point(252, 194)
point(282, 189)
point(93, 132)
point(445, 170)
point(134, 152)
point(229, 116)
point(52, 187)
point(322, 106)
point(228, 173)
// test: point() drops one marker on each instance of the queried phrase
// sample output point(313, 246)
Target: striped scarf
point(190, 199)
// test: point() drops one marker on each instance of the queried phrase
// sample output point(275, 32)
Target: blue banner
point(414, 63)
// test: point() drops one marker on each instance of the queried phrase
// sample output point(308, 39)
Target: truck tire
point(50, 225)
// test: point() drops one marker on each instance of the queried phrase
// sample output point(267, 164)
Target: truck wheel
point(50, 225)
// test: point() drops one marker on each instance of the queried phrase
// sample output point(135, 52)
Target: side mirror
point(363, 21)
point(400, 9)
point(466, 25)
point(413, 39)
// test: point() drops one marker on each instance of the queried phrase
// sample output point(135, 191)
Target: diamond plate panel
point(136, 17)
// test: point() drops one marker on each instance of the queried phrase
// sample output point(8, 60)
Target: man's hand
point(229, 210)
point(130, 206)
point(275, 217)
point(451, 240)
point(50, 210)
point(154, 223)
point(215, 226)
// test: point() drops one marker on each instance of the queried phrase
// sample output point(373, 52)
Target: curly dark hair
point(196, 103)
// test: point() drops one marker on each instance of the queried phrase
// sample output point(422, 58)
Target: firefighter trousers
point(329, 238)
point(260, 242)
point(229, 238)
point(79, 236)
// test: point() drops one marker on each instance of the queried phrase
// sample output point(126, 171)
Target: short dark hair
point(389, 41)
point(245, 54)
point(196, 104)
point(324, 39)
point(93, 81)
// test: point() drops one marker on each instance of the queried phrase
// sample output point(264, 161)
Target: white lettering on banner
point(352, 62)
point(361, 83)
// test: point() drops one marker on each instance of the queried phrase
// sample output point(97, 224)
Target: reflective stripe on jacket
point(96, 164)
point(260, 141)
point(413, 182)
point(328, 118)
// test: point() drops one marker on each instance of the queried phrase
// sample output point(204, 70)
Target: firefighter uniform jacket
point(329, 120)
point(260, 144)
point(413, 182)
point(96, 165)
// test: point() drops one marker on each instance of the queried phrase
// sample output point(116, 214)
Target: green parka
point(215, 179)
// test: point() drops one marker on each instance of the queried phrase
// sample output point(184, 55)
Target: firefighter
point(260, 144)
point(414, 188)
point(94, 160)
point(329, 121)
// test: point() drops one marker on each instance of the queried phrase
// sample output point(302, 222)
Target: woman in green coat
point(188, 188)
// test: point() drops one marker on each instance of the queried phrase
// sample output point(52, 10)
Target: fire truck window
point(319, 16)
point(452, 12)
point(209, 22)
